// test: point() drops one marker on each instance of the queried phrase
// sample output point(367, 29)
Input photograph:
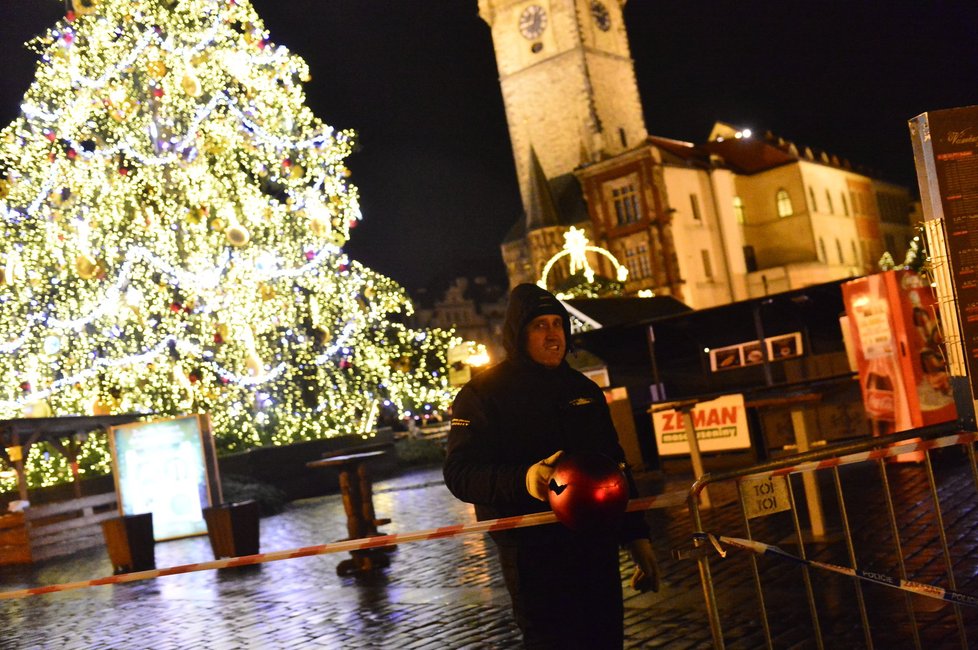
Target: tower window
point(828, 199)
point(623, 137)
point(738, 207)
point(707, 267)
point(694, 202)
point(823, 257)
point(838, 249)
point(811, 199)
point(845, 204)
point(784, 203)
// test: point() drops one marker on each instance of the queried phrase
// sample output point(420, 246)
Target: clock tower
point(568, 83)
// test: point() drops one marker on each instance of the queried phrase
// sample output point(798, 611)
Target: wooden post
point(694, 451)
point(808, 479)
point(351, 504)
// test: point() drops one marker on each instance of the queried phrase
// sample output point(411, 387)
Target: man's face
point(545, 341)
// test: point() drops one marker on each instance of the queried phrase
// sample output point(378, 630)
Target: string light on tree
point(173, 217)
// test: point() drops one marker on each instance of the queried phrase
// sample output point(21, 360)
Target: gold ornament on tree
point(87, 267)
point(191, 85)
point(156, 69)
point(83, 7)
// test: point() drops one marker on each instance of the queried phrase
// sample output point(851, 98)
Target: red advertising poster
point(902, 371)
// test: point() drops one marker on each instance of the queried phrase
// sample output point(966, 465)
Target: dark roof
point(609, 312)
point(61, 427)
point(741, 155)
point(568, 199)
point(748, 155)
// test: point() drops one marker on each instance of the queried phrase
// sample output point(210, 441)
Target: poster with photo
point(751, 353)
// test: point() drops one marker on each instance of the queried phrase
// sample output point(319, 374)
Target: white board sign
point(161, 467)
point(720, 425)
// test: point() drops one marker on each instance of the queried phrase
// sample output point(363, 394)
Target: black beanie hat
point(526, 302)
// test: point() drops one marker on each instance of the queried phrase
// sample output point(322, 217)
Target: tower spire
point(541, 210)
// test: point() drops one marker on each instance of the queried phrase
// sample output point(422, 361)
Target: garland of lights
point(172, 219)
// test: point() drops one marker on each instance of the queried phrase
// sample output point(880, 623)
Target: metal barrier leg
point(806, 574)
point(898, 549)
point(947, 553)
point(757, 579)
point(694, 452)
point(706, 578)
point(844, 515)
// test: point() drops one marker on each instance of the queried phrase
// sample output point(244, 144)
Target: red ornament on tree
point(588, 492)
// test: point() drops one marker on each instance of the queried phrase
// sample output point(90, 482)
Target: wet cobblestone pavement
point(448, 593)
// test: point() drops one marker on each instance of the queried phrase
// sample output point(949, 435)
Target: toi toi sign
point(720, 425)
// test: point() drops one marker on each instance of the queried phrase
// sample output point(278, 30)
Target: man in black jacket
point(510, 424)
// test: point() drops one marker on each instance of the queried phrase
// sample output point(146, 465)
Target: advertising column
point(945, 146)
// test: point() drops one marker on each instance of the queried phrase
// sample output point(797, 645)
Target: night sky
point(417, 80)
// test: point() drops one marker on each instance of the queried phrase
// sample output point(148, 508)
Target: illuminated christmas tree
point(172, 219)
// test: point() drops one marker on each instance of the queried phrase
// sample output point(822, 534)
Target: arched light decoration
point(576, 247)
point(172, 217)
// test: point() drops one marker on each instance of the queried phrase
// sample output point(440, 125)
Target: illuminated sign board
point(162, 467)
point(785, 346)
point(720, 425)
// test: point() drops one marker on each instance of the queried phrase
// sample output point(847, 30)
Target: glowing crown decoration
point(172, 220)
point(576, 247)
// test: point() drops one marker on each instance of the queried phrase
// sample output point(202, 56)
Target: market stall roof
point(18, 434)
point(20, 430)
point(609, 312)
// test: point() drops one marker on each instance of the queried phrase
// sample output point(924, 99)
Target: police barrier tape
point(889, 451)
point(717, 542)
point(667, 500)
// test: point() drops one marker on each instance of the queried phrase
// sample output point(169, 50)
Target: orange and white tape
point(522, 521)
point(889, 451)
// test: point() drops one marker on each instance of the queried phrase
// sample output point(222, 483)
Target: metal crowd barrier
point(888, 528)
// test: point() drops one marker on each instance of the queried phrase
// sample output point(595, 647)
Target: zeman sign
point(721, 425)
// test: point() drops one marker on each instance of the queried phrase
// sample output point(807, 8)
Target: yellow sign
point(764, 496)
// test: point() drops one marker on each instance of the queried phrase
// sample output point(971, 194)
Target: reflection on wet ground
point(448, 593)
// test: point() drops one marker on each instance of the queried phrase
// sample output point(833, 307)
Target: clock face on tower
point(532, 21)
point(601, 16)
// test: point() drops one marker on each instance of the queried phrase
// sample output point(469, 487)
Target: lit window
point(624, 198)
point(738, 206)
point(784, 203)
point(638, 263)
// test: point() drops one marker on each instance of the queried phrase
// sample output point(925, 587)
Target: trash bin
point(130, 543)
point(233, 528)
